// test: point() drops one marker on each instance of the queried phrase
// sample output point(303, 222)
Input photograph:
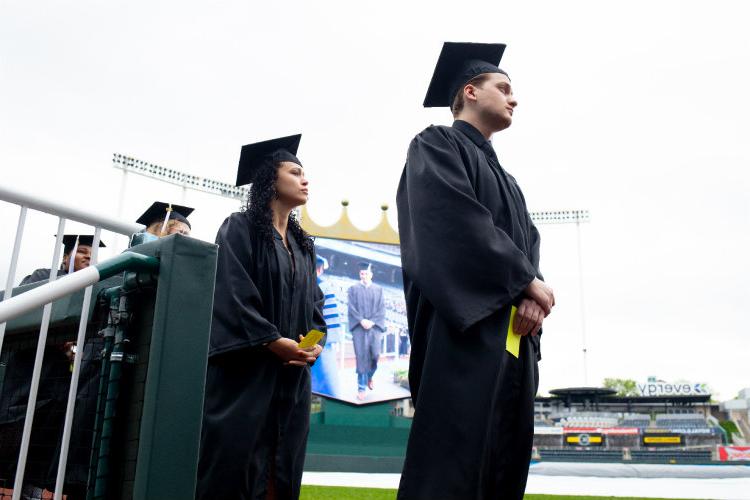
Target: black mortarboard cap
point(365, 266)
point(458, 63)
point(254, 156)
point(69, 241)
point(158, 210)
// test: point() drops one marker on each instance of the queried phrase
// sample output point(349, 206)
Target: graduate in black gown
point(162, 219)
point(257, 402)
point(81, 243)
point(52, 397)
point(470, 252)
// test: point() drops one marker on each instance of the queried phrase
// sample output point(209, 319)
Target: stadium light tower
point(129, 164)
point(576, 217)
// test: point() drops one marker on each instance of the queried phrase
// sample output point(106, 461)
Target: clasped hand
point(291, 354)
point(534, 308)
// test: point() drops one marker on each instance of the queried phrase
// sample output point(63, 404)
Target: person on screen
point(256, 414)
point(330, 307)
point(470, 253)
point(366, 323)
point(324, 372)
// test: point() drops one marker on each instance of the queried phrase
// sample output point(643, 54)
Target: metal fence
point(27, 201)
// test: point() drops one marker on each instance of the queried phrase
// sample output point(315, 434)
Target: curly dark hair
point(258, 208)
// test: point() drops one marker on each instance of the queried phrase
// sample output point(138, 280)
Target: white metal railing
point(64, 212)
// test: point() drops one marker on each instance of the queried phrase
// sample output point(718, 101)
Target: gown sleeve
point(237, 320)
point(318, 321)
point(352, 304)
point(465, 266)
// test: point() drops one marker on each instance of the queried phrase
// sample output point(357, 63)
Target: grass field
point(342, 493)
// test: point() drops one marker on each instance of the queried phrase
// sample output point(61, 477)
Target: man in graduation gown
point(366, 323)
point(52, 397)
point(470, 253)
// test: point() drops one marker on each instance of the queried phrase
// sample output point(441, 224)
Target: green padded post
point(167, 459)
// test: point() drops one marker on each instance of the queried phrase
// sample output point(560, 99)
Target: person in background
point(162, 219)
point(76, 256)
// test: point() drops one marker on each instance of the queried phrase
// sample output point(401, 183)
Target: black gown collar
point(472, 133)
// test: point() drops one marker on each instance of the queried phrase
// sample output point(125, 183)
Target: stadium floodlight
point(560, 217)
point(186, 181)
point(576, 217)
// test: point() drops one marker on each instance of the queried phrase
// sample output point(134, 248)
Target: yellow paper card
point(309, 340)
point(513, 340)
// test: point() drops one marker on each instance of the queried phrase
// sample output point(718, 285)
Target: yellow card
point(513, 340)
point(309, 340)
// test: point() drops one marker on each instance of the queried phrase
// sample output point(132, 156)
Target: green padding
point(353, 463)
point(167, 459)
point(127, 261)
point(348, 438)
point(375, 415)
point(357, 440)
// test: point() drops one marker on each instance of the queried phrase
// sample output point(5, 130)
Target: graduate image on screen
point(366, 356)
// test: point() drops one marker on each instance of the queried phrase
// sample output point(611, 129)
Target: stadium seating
point(681, 421)
point(639, 420)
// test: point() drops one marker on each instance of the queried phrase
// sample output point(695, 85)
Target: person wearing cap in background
point(366, 307)
point(324, 372)
point(75, 246)
point(53, 389)
point(470, 252)
point(163, 219)
point(257, 401)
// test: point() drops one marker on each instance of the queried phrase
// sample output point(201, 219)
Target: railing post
point(13, 264)
point(41, 344)
point(73, 392)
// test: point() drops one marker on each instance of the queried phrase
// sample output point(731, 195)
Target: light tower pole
point(576, 217)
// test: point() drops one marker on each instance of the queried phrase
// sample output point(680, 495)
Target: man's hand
point(542, 294)
point(366, 324)
point(529, 317)
point(290, 353)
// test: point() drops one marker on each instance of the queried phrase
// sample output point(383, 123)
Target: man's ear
point(470, 93)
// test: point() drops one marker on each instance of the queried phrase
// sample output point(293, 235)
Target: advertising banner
point(734, 453)
point(662, 439)
point(584, 439)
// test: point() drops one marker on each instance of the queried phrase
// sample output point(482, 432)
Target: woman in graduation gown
point(257, 402)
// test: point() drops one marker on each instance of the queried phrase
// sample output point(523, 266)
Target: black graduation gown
point(469, 249)
point(41, 275)
point(256, 410)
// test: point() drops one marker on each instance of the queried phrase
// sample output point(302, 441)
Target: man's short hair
point(458, 101)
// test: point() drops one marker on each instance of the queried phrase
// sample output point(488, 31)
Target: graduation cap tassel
point(72, 256)
point(166, 219)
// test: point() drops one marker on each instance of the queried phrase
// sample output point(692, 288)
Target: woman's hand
point(314, 350)
point(290, 353)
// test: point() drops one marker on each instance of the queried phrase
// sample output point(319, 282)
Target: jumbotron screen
point(366, 355)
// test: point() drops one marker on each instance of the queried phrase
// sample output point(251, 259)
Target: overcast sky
point(637, 111)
